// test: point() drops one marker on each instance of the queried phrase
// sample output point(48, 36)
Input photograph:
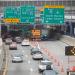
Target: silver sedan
point(17, 58)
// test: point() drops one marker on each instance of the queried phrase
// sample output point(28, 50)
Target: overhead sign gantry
point(51, 14)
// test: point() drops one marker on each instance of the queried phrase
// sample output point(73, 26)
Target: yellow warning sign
point(36, 32)
point(11, 20)
point(53, 6)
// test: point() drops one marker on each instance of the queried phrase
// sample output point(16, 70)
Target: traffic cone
point(55, 60)
point(48, 54)
point(62, 70)
point(58, 64)
point(46, 50)
point(51, 57)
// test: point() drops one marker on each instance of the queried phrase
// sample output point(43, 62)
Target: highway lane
point(56, 47)
point(57, 50)
point(28, 67)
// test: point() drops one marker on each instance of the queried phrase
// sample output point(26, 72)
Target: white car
point(13, 46)
point(37, 56)
point(17, 58)
point(25, 43)
point(43, 64)
point(8, 41)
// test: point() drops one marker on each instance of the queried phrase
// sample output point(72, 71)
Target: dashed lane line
point(26, 56)
point(31, 70)
point(5, 70)
point(6, 66)
point(29, 62)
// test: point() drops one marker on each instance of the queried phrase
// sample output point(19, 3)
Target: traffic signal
point(70, 50)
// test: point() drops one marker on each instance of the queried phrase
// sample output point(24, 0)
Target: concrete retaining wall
point(1, 53)
point(2, 57)
point(68, 40)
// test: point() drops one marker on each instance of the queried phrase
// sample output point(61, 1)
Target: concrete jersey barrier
point(68, 40)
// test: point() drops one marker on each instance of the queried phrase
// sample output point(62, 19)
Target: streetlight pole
point(68, 66)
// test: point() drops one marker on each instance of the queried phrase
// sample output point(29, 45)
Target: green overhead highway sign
point(53, 15)
point(27, 14)
point(22, 14)
point(11, 15)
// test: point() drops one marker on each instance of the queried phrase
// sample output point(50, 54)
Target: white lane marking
point(26, 55)
point(31, 69)
point(0, 51)
point(29, 62)
point(31, 44)
point(38, 45)
point(23, 51)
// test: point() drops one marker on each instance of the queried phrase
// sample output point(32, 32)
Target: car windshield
point(35, 49)
point(26, 40)
point(8, 39)
point(17, 37)
point(45, 62)
point(13, 42)
point(38, 52)
point(17, 55)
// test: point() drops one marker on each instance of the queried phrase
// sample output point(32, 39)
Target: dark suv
point(35, 50)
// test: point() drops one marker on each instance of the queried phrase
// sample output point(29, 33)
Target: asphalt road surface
point(28, 67)
point(56, 49)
